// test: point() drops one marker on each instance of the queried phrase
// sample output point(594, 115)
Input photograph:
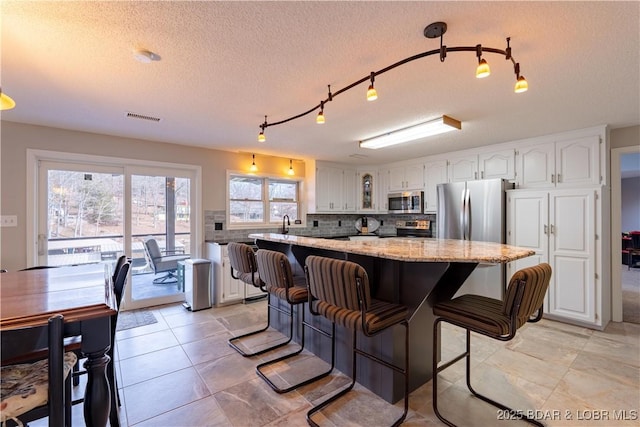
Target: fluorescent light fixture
point(432, 127)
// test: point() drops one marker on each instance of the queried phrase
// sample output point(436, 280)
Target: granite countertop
point(412, 249)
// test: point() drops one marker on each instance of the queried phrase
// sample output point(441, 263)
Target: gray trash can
point(197, 288)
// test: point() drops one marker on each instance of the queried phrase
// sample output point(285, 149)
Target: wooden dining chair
point(493, 318)
point(31, 391)
point(118, 287)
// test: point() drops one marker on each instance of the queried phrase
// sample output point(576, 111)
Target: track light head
point(372, 95)
point(320, 116)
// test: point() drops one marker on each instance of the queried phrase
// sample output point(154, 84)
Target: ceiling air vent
point(142, 117)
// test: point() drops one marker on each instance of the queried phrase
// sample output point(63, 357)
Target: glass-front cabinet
point(367, 192)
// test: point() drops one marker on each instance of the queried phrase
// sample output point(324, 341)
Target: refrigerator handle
point(467, 214)
point(463, 221)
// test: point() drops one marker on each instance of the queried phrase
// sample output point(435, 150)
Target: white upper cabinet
point(567, 163)
point(535, 166)
point(463, 168)
point(328, 188)
point(434, 173)
point(406, 177)
point(349, 190)
point(383, 190)
point(498, 164)
point(335, 189)
point(578, 162)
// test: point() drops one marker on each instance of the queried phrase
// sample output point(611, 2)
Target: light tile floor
point(181, 372)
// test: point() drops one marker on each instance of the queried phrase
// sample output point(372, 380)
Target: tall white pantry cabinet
point(567, 226)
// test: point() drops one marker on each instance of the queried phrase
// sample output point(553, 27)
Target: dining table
point(84, 295)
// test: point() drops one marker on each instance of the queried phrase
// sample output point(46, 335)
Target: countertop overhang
point(410, 249)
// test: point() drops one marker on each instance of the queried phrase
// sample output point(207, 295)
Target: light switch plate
point(9, 221)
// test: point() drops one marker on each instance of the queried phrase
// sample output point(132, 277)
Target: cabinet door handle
point(552, 229)
point(475, 175)
point(546, 229)
point(553, 178)
point(481, 174)
point(559, 178)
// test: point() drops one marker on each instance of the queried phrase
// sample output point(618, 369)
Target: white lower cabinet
point(226, 289)
point(561, 226)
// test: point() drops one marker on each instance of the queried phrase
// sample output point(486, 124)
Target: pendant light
point(253, 167)
point(6, 103)
point(291, 171)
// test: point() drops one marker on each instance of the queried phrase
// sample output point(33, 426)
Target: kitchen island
point(416, 272)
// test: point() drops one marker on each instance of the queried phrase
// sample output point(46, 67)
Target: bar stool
point(339, 290)
point(245, 268)
point(274, 268)
point(494, 318)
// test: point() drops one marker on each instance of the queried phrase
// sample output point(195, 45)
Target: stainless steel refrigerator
point(476, 210)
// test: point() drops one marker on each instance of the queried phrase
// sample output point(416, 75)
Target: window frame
point(266, 202)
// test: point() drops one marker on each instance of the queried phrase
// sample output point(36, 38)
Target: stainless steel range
point(415, 228)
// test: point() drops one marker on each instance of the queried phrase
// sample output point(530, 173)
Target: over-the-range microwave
point(409, 202)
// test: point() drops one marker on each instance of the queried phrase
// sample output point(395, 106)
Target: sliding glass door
point(91, 214)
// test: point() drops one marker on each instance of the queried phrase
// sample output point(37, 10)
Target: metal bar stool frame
point(513, 326)
point(284, 276)
point(362, 281)
point(249, 268)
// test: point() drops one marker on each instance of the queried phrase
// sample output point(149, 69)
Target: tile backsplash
point(320, 225)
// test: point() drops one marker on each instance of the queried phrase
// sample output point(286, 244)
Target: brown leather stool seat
point(494, 318)
point(339, 290)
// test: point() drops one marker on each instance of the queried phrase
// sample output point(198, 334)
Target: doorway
point(625, 164)
point(90, 210)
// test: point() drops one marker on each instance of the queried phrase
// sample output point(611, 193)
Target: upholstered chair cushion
point(275, 270)
point(493, 315)
point(477, 311)
point(537, 280)
point(153, 248)
point(25, 386)
point(243, 261)
point(333, 283)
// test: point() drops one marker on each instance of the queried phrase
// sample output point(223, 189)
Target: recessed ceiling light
point(145, 56)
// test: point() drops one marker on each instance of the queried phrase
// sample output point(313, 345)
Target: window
point(252, 198)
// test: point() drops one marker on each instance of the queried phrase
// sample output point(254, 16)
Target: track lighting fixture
point(291, 171)
point(6, 103)
point(253, 167)
point(320, 116)
point(372, 95)
point(431, 31)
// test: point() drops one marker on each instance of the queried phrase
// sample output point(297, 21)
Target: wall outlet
point(9, 220)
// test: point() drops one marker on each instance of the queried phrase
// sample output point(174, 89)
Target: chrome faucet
point(285, 230)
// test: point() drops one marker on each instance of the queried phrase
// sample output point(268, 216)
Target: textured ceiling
point(224, 65)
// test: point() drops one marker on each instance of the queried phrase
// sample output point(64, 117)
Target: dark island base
point(418, 285)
